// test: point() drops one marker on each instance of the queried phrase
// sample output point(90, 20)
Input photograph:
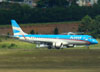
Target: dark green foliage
point(0, 40)
point(74, 3)
point(90, 26)
point(52, 3)
point(32, 32)
point(97, 26)
point(56, 31)
point(98, 2)
point(8, 35)
point(12, 45)
point(46, 11)
point(4, 46)
point(16, 0)
point(37, 33)
point(86, 22)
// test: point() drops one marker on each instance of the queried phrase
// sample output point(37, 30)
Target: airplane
point(52, 41)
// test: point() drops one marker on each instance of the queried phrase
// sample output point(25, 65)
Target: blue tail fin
point(16, 28)
point(14, 23)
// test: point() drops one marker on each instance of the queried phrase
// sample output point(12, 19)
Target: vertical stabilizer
point(16, 28)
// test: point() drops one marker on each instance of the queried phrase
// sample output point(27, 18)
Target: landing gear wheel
point(49, 47)
point(57, 47)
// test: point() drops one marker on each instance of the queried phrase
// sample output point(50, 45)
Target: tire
point(49, 47)
point(57, 47)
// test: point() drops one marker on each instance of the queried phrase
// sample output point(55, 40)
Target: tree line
point(46, 12)
point(90, 26)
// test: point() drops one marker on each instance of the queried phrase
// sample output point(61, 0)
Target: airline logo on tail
point(16, 29)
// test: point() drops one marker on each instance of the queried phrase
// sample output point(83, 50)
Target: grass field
point(14, 43)
point(50, 70)
point(17, 56)
point(36, 60)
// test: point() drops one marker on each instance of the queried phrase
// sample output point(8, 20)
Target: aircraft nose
point(95, 41)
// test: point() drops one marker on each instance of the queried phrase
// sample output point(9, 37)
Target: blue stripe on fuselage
point(79, 37)
point(86, 38)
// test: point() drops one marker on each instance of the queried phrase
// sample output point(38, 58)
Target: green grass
point(24, 57)
point(49, 59)
point(97, 46)
point(13, 43)
point(50, 70)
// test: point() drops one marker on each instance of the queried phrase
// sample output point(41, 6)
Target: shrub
point(12, 45)
point(56, 31)
point(32, 32)
point(0, 40)
point(4, 46)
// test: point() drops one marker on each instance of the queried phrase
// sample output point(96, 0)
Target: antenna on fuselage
point(75, 33)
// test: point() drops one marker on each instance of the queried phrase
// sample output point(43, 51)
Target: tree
point(32, 32)
point(42, 3)
point(98, 2)
point(56, 31)
point(74, 3)
point(52, 3)
point(96, 30)
point(86, 24)
point(58, 3)
point(91, 26)
point(16, 0)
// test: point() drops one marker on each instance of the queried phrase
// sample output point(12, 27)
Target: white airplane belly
point(77, 42)
point(69, 41)
point(46, 39)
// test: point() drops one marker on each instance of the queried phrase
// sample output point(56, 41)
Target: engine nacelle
point(41, 45)
point(58, 44)
point(71, 45)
